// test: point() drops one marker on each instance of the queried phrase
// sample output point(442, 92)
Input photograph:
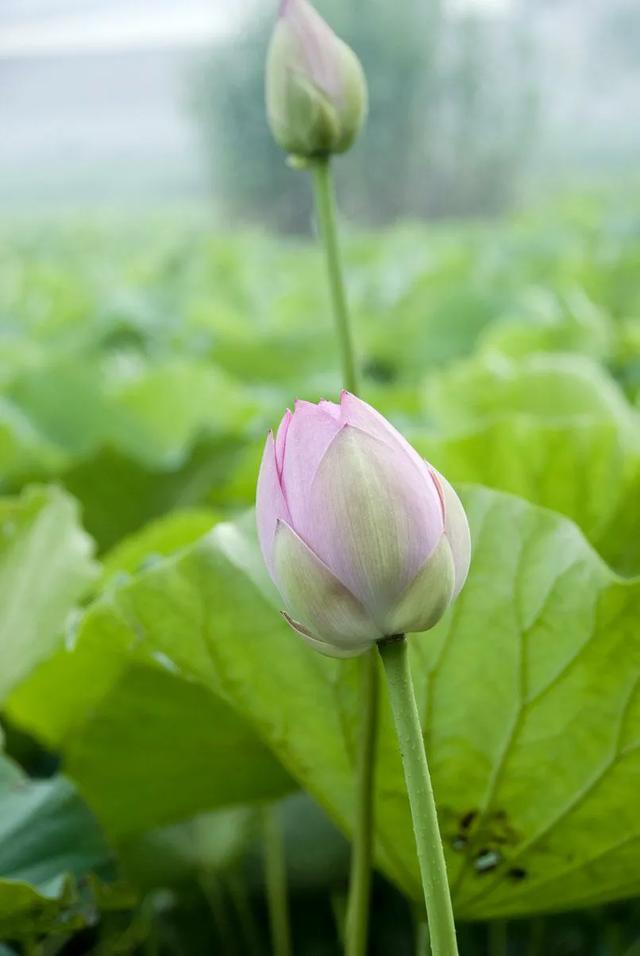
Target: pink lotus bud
point(315, 87)
point(362, 538)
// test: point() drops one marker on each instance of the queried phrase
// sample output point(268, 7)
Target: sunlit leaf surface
point(45, 568)
point(528, 691)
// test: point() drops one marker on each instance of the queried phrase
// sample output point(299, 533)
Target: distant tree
point(441, 135)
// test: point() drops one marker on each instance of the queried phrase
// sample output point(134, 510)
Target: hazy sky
point(76, 26)
point(33, 26)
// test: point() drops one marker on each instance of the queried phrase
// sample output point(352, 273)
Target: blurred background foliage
point(152, 328)
point(142, 362)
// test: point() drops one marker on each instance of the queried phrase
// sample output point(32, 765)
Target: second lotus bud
point(315, 87)
point(362, 537)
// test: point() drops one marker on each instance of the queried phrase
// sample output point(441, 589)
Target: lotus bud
point(362, 537)
point(315, 87)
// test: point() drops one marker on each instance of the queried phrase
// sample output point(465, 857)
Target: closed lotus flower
point(315, 88)
point(362, 537)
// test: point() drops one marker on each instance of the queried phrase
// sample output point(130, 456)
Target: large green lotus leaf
point(528, 692)
point(65, 401)
point(48, 842)
point(439, 307)
point(22, 449)
point(146, 746)
point(45, 568)
point(167, 407)
point(157, 539)
point(545, 387)
point(588, 470)
point(157, 749)
point(119, 495)
point(554, 429)
point(440, 325)
point(153, 413)
point(626, 362)
point(544, 321)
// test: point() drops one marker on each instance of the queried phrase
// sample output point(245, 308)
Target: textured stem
point(276, 877)
point(433, 869)
point(357, 922)
point(326, 209)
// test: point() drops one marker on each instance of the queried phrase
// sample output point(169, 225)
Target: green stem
point(252, 944)
point(32, 947)
point(339, 908)
point(215, 895)
point(276, 877)
point(151, 944)
point(613, 938)
point(423, 946)
point(357, 923)
point(326, 209)
point(497, 931)
point(536, 937)
point(433, 871)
